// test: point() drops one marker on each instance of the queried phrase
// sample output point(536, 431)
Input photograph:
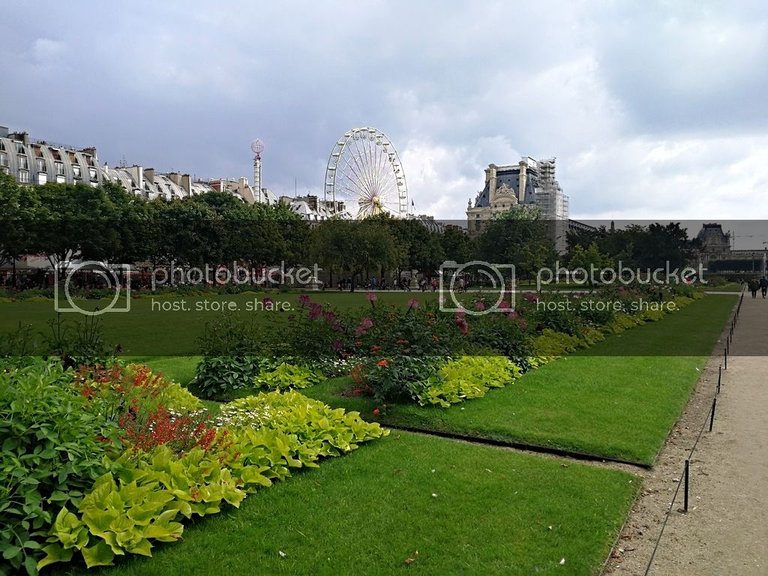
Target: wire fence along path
point(717, 523)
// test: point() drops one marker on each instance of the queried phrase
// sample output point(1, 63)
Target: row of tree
point(106, 223)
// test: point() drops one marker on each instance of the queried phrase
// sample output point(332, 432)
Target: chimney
point(149, 174)
point(175, 177)
point(522, 181)
point(3, 131)
point(490, 178)
point(20, 136)
point(186, 183)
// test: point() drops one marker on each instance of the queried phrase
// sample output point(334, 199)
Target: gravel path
point(725, 531)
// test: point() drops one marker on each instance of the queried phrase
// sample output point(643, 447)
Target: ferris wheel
point(364, 172)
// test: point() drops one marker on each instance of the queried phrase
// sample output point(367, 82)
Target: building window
point(92, 172)
point(40, 165)
point(76, 170)
point(19, 148)
point(59, 168)
point(3, 159)
point(42, 178)
point(23, 163)
point(24, 176)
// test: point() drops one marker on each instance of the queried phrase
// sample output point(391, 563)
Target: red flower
point(376, 411)
point(382, 363)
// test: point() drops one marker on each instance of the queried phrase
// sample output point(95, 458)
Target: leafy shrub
point(552, 343)
point(400, 378)
point(591, 336)
point(286, 376)
point(139, 501)
point(320, 429)
point(499, 334)
point(18, 342)
point(621, 322)
point(218, 377)
point(114, 390)
point(51, 452)
point(79, 343)
point(232, 336)
point(650, 314)
point(314, 330)
point(411, 331)
point(469, 377)
point(595, 312)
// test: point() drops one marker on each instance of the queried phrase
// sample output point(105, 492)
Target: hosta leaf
point(99, 555)
point(54, 553)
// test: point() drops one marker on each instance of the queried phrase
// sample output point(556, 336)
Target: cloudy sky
point(653, 109)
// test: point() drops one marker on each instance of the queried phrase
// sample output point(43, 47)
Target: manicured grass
point(729, 287)
point(602, 402)
point(171, 324)
point(495, 512)
point(180, 369)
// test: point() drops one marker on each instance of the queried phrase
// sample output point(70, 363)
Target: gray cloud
point(642, 105)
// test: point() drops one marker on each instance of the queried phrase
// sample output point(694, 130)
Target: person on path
point(763, 286)
point(753, 286)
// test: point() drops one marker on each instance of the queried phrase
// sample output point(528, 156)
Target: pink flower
point(463, 326)
point(329, 316)
point(460, 314)
point(413, 303)
point(513, 315)
point(304, 300)
point(371, 296)
point(479, 306)
point(531, 297)
point(315, 310)
point(365, 325)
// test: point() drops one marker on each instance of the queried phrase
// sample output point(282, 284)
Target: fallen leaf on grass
point(412, 558)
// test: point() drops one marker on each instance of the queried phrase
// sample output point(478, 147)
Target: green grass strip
point(601, 402)
point(466, 509)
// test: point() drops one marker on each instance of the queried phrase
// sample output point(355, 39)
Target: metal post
point(719, 377)
point(686, 477)
point(712, 416)
point(726, 358)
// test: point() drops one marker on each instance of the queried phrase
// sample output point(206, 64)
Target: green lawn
point(180, 369)
point(602, 402)
point(493, 512)
point(171, 324)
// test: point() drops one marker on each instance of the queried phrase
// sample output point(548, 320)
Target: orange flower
point(382, 363)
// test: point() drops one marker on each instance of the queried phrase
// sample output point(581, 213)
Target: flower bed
point(102, 463)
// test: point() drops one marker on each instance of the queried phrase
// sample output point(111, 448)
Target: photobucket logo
point(208, 275)
point(624, 275)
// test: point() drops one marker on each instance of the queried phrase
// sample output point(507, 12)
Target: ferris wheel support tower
point(257, 147)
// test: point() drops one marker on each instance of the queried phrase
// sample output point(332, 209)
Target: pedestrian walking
point(763, 286)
